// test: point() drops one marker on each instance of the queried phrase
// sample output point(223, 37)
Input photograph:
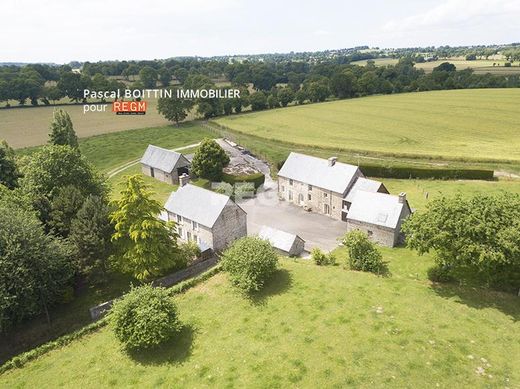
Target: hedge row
point(416, 172)
point(20, 360)
point(257, 179)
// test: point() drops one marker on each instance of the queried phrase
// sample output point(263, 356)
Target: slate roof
point(279, 239)
point(197, 204)
point(376, 208)
point(363, 184)
point(317, 172)
point(161, 159)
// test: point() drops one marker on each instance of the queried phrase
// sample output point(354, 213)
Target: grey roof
point(317, 172)
point(364, 184)
point(279, 239)
point(376, 208)
point(161, 159)
point(197, 204)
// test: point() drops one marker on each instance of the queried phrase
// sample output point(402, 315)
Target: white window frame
point(179, 219)
point(194, 225)
point(291, 181)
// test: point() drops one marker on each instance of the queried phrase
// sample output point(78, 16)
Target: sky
point(61, 31)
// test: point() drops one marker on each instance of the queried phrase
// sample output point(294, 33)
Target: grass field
point(480, 66)
point(24, 127)
point(311, 327)
point(459, 124)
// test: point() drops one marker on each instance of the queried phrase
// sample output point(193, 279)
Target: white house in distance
point(285, 242)
point(380, 215)
point(164, 165)
point(211, 219)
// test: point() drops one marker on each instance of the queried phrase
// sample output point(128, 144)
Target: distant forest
point(267, 81)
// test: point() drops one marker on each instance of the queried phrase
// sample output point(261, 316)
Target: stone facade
point(182, 166)
point(297, 247)
point(385, 236)
point(230, 225)
point(311, 198)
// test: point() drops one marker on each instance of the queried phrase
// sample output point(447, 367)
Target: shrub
point(145, 318)
point(189, 251)
point(256, 178)
point(209, 160)
point(406, 172)
point(223, 188)
point(244, 190)
point(362, 253)
point(322, 259)
point(250, 262)
point(439, 273)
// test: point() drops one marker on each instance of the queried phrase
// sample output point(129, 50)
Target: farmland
point(24, 127)
point(311, 327)
point(480, 66)
point(473, 125)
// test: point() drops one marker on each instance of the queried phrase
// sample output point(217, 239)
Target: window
point(290, 182)
point(370, 233)
point(326, 209)
point(179, 218)
point(180, 232)
point(290, 195)
point(283, 188)
point(195, 225)
point(195, 238)
point(309, 197)
point(300, 198)
point(188, 236)
point(152, 172)
point(310, 188)
point(325, 194)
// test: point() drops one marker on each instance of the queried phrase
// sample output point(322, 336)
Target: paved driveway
point(317, 230)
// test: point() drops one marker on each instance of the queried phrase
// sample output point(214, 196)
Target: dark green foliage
point(363, 255)
point(209, 160)
point(420, 173)
point(250, 262)
point(35, 268)
point(8, 170)
point(322, 259)
point(144, 318)
point(439, 273)
point(258, 101)
point(257, 179)
point(174, 109)
point(475, 238)
point(90, 234)
point(55, 167)
point(64, 207)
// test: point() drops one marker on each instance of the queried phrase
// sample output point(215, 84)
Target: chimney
point(402, 197)
point(332, 161)
point(183, 179)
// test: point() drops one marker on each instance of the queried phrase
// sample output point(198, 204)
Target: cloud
point(322, 32)
point(453, 14)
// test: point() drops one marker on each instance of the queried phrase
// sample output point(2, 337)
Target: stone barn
point(285, 242)
point(210, 219)
point(380, 215)
point(164, 165)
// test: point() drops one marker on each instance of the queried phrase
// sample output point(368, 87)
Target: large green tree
point(148, 77)
point(64, 207)
point(35, 268)
point(8, 169)
point(145, 245)
point(475, 238)
point(174, 109)
point(62, 130)
point(90, 234)
point(209, 160)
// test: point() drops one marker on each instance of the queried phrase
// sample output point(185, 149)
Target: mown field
point(480, 66)
point(29, 126)
point(311, 327)
point(468, 125)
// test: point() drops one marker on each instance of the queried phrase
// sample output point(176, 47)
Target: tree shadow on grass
point(480, 298)
point(175, 351)
point(279, 283)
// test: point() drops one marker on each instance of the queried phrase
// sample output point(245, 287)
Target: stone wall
point(200, 233)
point(312, 198)
point(230, 226)
point(383, 235)
point(298, 247)
point(159, 174)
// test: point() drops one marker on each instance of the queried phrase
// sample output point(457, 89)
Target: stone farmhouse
point(164, 165)
point(380, 215)
point(285, 242)
point(333, 188)
point(211, 219)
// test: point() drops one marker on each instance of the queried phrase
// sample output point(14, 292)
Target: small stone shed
point(285, 242)
point(164, 165)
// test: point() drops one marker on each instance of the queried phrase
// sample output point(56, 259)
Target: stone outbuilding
point(285, 242)
point(164, 165)
point(210, 219)
point(380, 215)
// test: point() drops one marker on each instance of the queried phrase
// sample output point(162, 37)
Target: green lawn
point(311, 327)
point(419, 192)
point(459, 124)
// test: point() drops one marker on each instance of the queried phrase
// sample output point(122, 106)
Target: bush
point(145, 318)
point(256, 178)
point(363, 255)
point(439, 273)
point(189, 251)
point(244, 190)
point(432, 173)
point(209, 160)
point(223, 188)
point(322, 259)
point(250, 262)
